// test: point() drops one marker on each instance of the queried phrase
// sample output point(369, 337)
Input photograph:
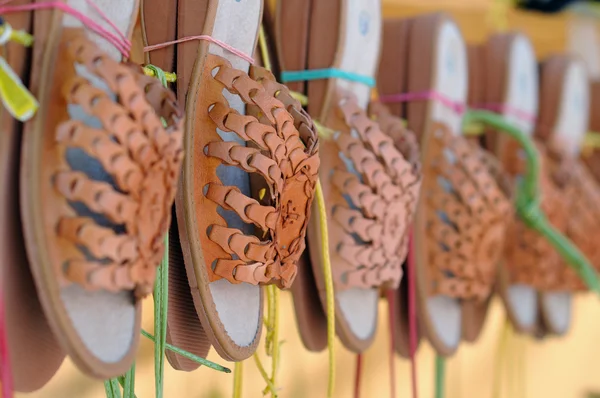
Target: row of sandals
point(92, 181)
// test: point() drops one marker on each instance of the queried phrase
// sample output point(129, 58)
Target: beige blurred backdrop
point(556, 368)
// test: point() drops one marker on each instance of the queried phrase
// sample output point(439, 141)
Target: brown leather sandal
point(220, 203)
point(460, 221)
point(106, 168)
point(34, 352)
point(503, 79)
point(562, 125)
point(369, 187)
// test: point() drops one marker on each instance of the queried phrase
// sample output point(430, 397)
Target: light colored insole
point(569, 131)
point(236, 24)
point(105, 321)
point(360, 54)
point(522, 95)
point(451, 80)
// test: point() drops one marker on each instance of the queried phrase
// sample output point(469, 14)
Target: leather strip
point(282, 150)
point(467, 208)
point(142, 157)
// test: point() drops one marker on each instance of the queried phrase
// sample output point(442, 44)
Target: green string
point(440, 370)
point(112, 388)
point(161, 302)
point(189, 355)
point(158, 73)
point(128, 383)
point(528, 198)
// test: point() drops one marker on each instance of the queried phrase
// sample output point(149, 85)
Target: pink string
point(5, 369)
point(208, 38)
point(412, 313)
point(119, 41)
point(456, 106)
point(503, 108)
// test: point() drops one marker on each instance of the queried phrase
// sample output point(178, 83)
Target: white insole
point(451, 80)
point(360, 55)
point(568, 133)
point(236, 24)
point(105, 321)
point(522, 95)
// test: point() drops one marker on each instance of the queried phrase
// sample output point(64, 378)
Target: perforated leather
point(467, 209)
point(282, 149)
point(376, 197)
point(571, 200)
point(142, 157)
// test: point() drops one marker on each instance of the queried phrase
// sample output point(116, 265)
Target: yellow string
point(326, 263)
point(303, 99)
point(170, 76)
point(17, 99)
point(264, 50)
point(500, 356)
point(238, 372)
point(18, 36)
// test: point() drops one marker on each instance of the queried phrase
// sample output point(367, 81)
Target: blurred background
point(499, 365)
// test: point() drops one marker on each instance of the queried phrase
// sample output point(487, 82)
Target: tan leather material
point(371, 224)
point(288, 164)
point(34, 352)
point(138, 152)
point(530, 259)
point(466, 215)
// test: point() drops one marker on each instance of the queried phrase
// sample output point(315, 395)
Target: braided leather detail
point(380, 188)
point(283, 151)
point(121, 245)
point(465, 215)
point(571, 200)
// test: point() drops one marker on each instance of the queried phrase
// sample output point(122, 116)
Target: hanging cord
point(118, 40)
point(440, 376)
point(500, 360)
point(392, 331)
point(357, 375)
point(528, 198)
point(238, 374)
point(412, 312)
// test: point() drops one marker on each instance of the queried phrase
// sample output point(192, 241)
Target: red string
point(412, 313)
point(118, 40)
point(5, 369)
point(392, 321)
point(357, 376)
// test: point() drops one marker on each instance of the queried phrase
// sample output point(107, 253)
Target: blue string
point(320, 74)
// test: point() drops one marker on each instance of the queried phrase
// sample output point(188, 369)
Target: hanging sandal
point(562, 125)
point(35, 355)
point(369, 187)
point(460, 220)
point(503, 79)
point(98, 178)
point(227, 188)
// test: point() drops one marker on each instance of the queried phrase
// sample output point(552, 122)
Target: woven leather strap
point(380, 190)
point(282, 151)
point(571, 198)
point(120, 246)
point(465, 216)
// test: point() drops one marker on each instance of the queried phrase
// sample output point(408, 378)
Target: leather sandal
point(504, 79)
point(460, 221)
point(369, 186)
point(98, 178)
point(561, 128)
point(35, 355)
point(248, 178)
